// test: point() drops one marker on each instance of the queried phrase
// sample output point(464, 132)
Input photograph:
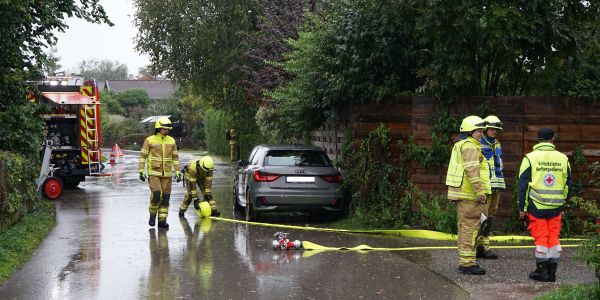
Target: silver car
point(288, 178)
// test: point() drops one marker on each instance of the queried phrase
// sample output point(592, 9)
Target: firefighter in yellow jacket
point(198, 172)
point(468, 182)
point(160, 151)
point(232, 137)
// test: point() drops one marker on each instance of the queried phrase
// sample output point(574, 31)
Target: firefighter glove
point(142, 176)
point(178, 176)
point(207, 197)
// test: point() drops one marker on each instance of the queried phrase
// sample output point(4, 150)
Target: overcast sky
point(84, 40)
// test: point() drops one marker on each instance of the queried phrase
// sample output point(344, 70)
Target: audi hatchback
point(288, 178)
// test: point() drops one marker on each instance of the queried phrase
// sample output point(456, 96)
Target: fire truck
point(71, 149)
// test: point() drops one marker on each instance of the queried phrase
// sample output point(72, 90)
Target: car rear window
point(308, 158)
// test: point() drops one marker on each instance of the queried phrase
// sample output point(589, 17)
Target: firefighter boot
point(215, 213)
point(472, 270)
point(163, 224)
point(541, 272)
point(482, 253)
point(152, 220)
point(552, 271)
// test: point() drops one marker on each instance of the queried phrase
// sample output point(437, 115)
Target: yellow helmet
point(207, 163)
point(204, 210)
point(471, 123)
point(493, 122)
point(163, 122)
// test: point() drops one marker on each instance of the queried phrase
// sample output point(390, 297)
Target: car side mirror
point(242, 163)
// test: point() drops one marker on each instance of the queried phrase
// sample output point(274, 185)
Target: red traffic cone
point(112, 159)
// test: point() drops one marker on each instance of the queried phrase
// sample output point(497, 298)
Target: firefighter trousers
point(160, 193)
point(468, 217)
point(234, 150)
point(191, 193)
point(489, 210)
point(546, 234)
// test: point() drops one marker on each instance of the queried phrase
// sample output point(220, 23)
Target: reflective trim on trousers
point(541, 252)
point(554, 252)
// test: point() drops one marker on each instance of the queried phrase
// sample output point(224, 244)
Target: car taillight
point(332, 178)
point(263, 177)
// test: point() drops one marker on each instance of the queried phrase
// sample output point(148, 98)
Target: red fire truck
point(72, 135)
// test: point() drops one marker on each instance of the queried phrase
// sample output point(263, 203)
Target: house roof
point(156, 89)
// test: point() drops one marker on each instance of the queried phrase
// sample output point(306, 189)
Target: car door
point(245, 172)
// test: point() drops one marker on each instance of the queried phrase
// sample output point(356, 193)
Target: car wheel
point(251, 214)
point(236, 200)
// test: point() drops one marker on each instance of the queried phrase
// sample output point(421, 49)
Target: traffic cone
point(117, 150)
point(112, 159)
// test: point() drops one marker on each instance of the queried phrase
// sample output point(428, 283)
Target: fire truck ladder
point(94, 158)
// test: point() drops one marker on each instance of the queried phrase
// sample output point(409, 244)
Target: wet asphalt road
point(102, 248)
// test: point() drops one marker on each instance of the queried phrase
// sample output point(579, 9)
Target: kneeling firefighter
point(200, 172)
point(161, 153)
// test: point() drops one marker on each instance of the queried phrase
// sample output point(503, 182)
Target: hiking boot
point(215, 213)
point(472, 270)
point(163, 224)
point(181, 212)
point(541, 272)
point(152, 220)
point(482, 253)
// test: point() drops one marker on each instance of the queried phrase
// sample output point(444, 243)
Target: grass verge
point(18, 242)
point(580, 291)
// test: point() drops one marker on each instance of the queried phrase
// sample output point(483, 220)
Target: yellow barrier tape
point(415, 233)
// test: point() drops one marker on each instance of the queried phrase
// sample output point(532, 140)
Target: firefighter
point(543, 187)
point(233, 143)
point(468, 182)
point(200, 172)
point(492, 151)
point(160, 151)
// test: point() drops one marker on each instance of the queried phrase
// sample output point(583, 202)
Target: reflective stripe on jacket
point(548, 188)
point(492, 151)
point(468, 173)
point(161, 154)
point(194, 174)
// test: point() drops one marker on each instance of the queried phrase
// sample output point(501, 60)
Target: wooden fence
point(576, 121)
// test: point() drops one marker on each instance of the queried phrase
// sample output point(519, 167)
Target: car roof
point(290, 147)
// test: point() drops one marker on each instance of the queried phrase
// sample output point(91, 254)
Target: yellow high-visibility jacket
point(233, 137)
point(194, 174)
point(548, 187)
point(161, 154)
point(468, 173)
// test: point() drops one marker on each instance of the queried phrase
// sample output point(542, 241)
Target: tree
point(134, 100)
point(198, 43)
point(27, 28)
point(50, 64)
point(103, 70)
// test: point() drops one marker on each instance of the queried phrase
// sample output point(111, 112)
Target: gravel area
point(506, 277)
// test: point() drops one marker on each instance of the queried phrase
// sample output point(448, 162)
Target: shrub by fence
point(18, 193)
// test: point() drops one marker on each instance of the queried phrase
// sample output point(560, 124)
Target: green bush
point(380, 196)
point(215, 124)
point(18, 191)
point(436, 212)
point(19, 121)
